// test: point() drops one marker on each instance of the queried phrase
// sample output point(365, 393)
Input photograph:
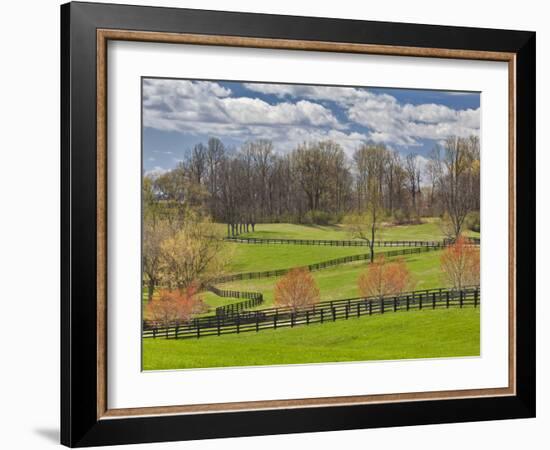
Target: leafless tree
point(412, 167)
point(456, 179)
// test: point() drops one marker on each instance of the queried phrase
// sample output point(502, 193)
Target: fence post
point(347, 311)
point(461, 298)
point(433, 300)
point(307, 317)
point(154, 333)
point(475, 298)
point(275, 321)
point(176, 332)
point(394, 304)
point(333, 314)
point(419, 301)
point(358, 310)
point(408, 303)
point(238, 323)
point(370, 307)
point(291, 319)
point(381, 306)
point(257, 322)
point(447, 295)
point(198, 330)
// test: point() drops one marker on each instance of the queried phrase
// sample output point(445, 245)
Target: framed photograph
point(276, 224)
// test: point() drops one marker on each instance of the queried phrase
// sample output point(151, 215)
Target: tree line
point(317, 183)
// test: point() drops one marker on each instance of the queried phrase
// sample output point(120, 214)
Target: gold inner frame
point(104, 35)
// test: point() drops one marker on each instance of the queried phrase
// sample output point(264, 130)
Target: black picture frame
point(80, 425)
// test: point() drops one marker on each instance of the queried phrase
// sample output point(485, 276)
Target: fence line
point(323, 312)
point(345, 243)
point(323, 264)
point(253, 299)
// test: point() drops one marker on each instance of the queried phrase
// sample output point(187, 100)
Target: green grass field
point(401, 335)
point(429, 230)
point(338, 281)
point(259, 257)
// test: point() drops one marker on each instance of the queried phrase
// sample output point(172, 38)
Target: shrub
point(404, 217)
point(385, 278)
point(296, 289)
point(473, 221)
point(317, 217)
point(460, 264)
point(174, 307)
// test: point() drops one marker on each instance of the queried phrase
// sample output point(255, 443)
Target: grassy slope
point(256, 257)
point(429, 230)
point(339, 281)
point(402, 335)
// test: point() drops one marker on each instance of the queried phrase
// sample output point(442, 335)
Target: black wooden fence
point(346, 243)
point(253, 299)
point(324, 264)
point(323, 312)
point(334, 243)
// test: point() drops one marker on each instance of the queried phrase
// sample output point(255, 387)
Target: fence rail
point(252, 299)
point(324, 264)
point(323, 312)
point(345, 243)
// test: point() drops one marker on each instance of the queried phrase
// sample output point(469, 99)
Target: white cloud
point(392, 122)
point(204, 107)
point(156, 172)
point(208, 108)
point(389, 121)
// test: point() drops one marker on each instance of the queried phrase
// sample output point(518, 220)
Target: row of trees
point(459, 268)
point(317, 182)
point(298, 289)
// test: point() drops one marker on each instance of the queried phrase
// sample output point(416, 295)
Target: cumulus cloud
point(389, 121)
point(183, 105)
point(349, 116)
point(392, 122)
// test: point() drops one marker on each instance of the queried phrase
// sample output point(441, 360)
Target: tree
point(365, 226)
point(197, 164)
point(460, 264)
point(174, 307)
point(156, 228)
point(412, 168)
point(297, 289)
point(312, 164)
point(370, 161)
point(193, 256)
point(155, 231)
point(385, 278)
point(458, 179)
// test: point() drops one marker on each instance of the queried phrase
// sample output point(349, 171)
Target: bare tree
point(197, 163)
point(456, 179)
point(412, 167)
point(370, 160)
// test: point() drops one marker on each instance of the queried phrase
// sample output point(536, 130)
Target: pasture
point(402, 335)
point(405, 335)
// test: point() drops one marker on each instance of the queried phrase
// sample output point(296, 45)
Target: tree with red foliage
point(174, 307)
point(460, 264)
point(385, 278)
point(297, 289)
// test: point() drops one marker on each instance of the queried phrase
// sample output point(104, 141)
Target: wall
point(29, 250)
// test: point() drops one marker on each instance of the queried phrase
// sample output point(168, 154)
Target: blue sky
point(177, 114)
